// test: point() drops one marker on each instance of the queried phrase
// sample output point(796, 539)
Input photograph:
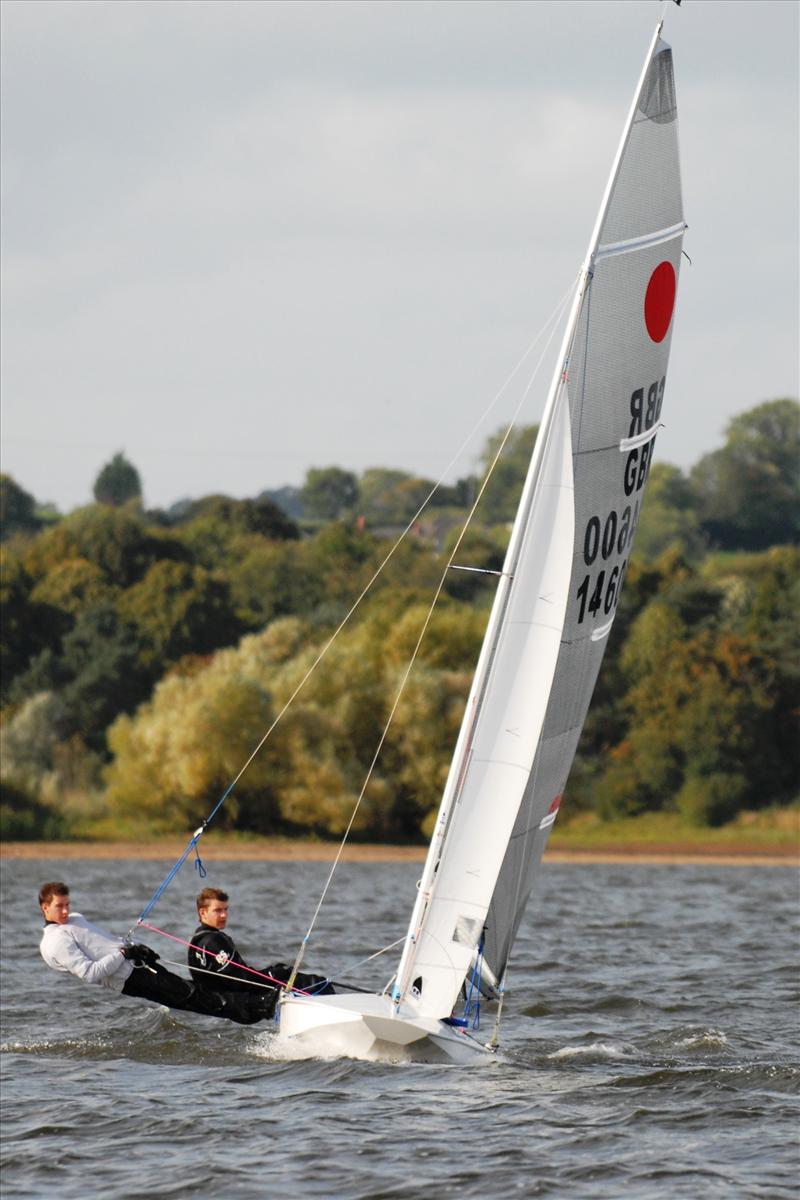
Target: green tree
point(28, 738)
point(335, 565)
point(452, 639)
point(49, 779)
point(748, 493)
point(96, 673)
point(17, 510)
point(73, 585)
point(420, 743)
point(708, 690)
point(102, 664)
point(118, 541)
point(501, 498)
point(28, 625)
point(286, 498)
point(259, 516)
point(176, 756)
point(460, 494)
point(19, 635)
point(701, 733)
point(80, 563)
point(761, 599)
point(179, 609)
point(271, 580)
point(24, 819)
point(117, 483)
point(330, 492)
point(190, 739)
point(375, 489)
point(481, 549)
point(668, 518)
point(391, 497)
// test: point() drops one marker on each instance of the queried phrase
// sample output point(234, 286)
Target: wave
point(609, 1003)
point(596, 1051)
point(152, 1034)
point(778, 1078)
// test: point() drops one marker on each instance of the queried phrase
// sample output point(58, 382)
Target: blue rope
point(198, 862)
point(475, 989)
point(159, 892)
point(162, 887)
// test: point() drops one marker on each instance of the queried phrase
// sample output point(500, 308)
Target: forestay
point(566, 562)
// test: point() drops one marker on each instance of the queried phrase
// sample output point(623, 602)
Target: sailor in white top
point(84, 950)
point(73, 945)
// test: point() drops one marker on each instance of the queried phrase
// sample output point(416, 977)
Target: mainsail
point(566, 562)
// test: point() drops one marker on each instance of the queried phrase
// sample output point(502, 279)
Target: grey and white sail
point(553, 611)
point(567, 556)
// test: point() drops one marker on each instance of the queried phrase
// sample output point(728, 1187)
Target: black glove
point(140, 955)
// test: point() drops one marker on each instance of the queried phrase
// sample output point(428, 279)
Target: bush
point(24, 819)
point(711, 799)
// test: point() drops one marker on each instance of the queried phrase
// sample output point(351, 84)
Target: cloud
point(243, 239)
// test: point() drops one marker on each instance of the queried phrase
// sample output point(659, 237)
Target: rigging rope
point(552, 320)
point(354, 966)
point(172, 962)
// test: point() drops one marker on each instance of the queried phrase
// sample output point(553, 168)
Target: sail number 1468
point(603, 594)
point(601, 540)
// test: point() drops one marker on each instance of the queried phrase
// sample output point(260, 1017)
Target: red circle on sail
point(659, 301)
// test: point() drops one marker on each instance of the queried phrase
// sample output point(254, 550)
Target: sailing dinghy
point(552, 615)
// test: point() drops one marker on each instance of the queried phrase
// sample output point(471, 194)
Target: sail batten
point(566, 561)
point(656, 238)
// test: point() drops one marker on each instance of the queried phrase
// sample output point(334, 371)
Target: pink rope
point(240, 966)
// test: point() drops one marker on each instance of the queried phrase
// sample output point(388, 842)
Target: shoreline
point(268, 850)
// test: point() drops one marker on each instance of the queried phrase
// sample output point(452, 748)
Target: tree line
point(145, 653)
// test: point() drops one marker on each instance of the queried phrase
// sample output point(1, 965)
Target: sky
point(244, 239)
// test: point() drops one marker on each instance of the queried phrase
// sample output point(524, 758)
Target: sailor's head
point(54, 902)
point(212, 907)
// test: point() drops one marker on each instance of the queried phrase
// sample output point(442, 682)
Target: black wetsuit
point(158, 984)
point(215, 951)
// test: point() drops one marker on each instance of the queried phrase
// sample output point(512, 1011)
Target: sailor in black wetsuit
point(215, 963)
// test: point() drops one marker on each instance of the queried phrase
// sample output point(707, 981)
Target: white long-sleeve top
point(86, 951)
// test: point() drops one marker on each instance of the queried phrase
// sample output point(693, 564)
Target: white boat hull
point(357, 1025)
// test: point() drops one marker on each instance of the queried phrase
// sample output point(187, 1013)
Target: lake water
point(649, 1048)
